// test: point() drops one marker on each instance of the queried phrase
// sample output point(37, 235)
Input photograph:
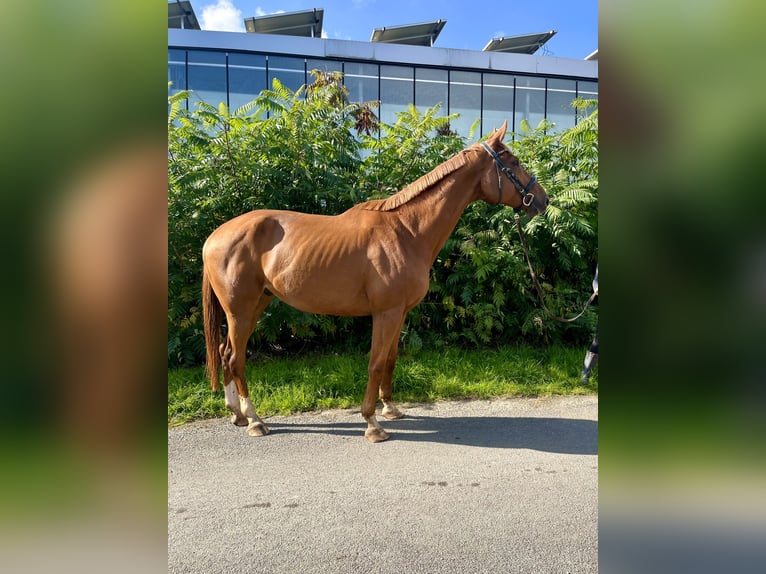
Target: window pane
point(323, 65)
point(498, 102)
point(290, 71)
point(396, 91)
point(465, 99)
point(247, 77)
point(530, 101)
point(207, 57)
point(431, 89)
point(361, 81)
point(177, 70)
point(560, 110)
point(207, 77)
point(587, 91)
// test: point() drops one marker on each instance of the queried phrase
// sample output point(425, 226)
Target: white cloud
point(222, 16)
point(261, 12)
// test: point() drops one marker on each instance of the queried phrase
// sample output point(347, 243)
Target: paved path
point(464, 487)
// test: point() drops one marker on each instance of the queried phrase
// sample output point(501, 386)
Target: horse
point(372, 260)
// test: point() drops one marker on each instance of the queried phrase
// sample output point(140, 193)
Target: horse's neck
point(433, 216)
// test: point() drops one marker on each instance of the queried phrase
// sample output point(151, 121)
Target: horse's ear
point(499, 135)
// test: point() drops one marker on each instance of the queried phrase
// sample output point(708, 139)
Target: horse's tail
point(213, 319)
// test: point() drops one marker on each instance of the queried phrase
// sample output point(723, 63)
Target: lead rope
point(539, 289)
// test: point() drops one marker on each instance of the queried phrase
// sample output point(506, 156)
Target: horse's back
point(258, 230)
point(258, 245)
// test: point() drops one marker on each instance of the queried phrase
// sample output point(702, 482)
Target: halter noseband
point(526, 197)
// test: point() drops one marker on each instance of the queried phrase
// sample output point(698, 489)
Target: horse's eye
point(515, 163)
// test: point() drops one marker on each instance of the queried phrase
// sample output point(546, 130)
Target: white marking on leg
point(390, 411)
point(232, 403)
point(373, 422)
point(256, 426)
point(230, 392)
point(248, 409)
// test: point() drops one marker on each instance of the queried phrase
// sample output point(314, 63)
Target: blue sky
point(470, 24)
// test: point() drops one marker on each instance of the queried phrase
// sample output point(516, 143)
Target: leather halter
point(526, 197)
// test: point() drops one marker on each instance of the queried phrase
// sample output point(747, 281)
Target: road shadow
point(558, 435)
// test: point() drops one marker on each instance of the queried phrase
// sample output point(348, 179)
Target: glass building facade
point(217, 74)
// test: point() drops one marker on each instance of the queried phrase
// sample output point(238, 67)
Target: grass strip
point(295, 384)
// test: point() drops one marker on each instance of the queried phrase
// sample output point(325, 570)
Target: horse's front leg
point(386, 327)
point(390, 411)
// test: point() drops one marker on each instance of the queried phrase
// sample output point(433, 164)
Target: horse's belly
point(327, 292)
point(326, 302)
point(346, 293)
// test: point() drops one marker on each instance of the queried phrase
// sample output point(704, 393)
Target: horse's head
point(505, 181)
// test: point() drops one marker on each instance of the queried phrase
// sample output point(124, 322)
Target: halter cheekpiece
point(526, 197)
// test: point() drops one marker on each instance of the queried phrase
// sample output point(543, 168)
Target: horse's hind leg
point(240, 329)
point(230, 387)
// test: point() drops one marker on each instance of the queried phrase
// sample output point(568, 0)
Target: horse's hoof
point(376, 435)
point(391, 413)
point(258, 429)
point(239, 420)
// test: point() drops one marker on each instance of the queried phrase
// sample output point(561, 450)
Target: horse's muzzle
point(534, 205)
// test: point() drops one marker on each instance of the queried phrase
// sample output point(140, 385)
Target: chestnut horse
point(374, 259)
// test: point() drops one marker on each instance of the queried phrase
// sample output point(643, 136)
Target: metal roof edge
point(384, 53)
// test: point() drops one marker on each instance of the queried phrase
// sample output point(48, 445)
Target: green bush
point(481, 290)
point(314, 151)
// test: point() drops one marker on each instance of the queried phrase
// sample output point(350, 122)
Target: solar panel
point(304, 23)
point(424, 34)
point(525, 44)
point(181, 15)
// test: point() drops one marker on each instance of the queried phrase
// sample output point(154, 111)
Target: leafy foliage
point(284, 150)
point(404, 151)
point(314, 151)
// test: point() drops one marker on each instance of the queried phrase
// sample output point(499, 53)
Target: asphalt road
point(464, 487)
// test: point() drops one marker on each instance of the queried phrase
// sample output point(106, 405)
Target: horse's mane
point(418, 186)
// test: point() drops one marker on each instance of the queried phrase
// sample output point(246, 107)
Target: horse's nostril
point(546, 202)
